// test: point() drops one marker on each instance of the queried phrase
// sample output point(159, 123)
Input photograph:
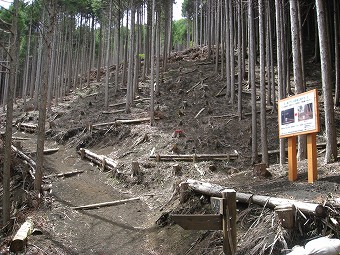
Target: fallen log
point(20, 138)
point(27, 127)
point(101, 160)
point(29, 161)
point(124, 103)
point(67, 174)
point(113, 112)
point(193, 157)
point(105, 204)
point(20, 239)
point(271, 202)
point(134, 121)
point(48, 151)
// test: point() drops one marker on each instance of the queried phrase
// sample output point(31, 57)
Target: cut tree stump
point(261, 170)
point(177, 170)
point(184, 192)
point(20, 239)
point(135, 169)
point(215, 190)
point(286, 214)
point(192, 157)
point(105, 204)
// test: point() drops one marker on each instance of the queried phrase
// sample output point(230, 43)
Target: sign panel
point(299, 114)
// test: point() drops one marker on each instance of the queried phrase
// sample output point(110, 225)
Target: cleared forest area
point(98, 149)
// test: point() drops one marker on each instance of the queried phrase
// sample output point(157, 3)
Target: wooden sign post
point(299, 115)
point(224, 219)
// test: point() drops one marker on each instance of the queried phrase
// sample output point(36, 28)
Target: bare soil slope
point(208, 125)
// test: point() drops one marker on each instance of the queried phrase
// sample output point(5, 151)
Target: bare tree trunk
point(24, 92)
point(232, 54)
point(158, 49)
point(6, 203)
point(297, 67)
point(129, 86)
point(278, 4)
point(227, 49)
point(152, 87)
point(336, 53)
point(326, 70)
point(107, 60)
point(100, 46)
point(252, 57)
point(264, 141)
point(50, 4)
point(239, 58)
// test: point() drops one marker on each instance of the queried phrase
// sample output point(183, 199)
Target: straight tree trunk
point(6, 203)
point(100, 46)
point(336, 53)
point(252, 57)
point(297, 68)
point(24, 92)
point(131, 64)
point(326, 71)
point(264, 139)
point(278, 4)
point(50, 4)
point(152, 87)
point(232, 53)
point(239, 59)
point(107, 60)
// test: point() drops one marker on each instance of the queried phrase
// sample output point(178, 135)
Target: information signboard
point(299, 114)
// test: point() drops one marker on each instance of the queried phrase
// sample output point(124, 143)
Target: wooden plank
point(229, 221)
point(198, 222)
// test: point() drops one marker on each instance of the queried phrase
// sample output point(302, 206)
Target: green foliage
point(141, 56)
point(188, 7)
point(179, 31)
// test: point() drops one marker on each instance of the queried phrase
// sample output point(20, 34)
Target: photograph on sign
point(298, 114)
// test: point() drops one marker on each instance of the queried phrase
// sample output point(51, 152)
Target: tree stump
point(261, 170)
point(177, 170)
point(135, 169)
point(286, 214)
point(184, 192)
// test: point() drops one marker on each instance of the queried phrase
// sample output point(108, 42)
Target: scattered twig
point(95, 206)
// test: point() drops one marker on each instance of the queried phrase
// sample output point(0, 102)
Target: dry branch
point(112, 203)
point(67, 174)
point(199, 113)
point(113, 112)
point(196, 157)
point(193, 87)
point(29, 161)
point(271, 202)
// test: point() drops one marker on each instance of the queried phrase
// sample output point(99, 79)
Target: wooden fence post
point(229, 221)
